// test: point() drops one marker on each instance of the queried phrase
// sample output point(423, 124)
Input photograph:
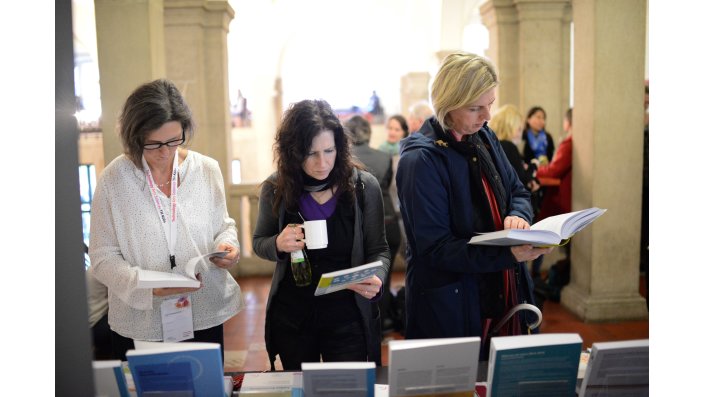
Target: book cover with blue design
point(341, 279)
point(187, 368)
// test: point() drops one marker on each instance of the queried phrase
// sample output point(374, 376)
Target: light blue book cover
point(178, 369)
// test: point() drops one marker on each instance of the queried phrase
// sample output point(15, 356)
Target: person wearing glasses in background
point(127, 233)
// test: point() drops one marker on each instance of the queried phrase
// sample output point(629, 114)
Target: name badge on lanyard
point(169, 223)
point(177, 317)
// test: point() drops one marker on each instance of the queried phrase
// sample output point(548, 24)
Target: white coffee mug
point(316, 234)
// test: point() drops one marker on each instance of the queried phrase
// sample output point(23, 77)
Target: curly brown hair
point(302, 122)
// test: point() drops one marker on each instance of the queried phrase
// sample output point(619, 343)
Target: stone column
point(452, 24)
point(607, 159)
point(197, 62)
point(414, 88)
point(500, 18)
point(544, 59)
point(130, 41)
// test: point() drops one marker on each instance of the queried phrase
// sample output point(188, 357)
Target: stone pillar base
point(604, 308)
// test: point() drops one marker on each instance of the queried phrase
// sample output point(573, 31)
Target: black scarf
point(312, 184)
point(474, 144)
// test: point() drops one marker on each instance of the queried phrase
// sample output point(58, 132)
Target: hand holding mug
point(316, 234)
point(290, 239)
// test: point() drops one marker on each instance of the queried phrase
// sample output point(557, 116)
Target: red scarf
point(513, 326)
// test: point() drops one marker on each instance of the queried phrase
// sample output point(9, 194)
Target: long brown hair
point(302, 122)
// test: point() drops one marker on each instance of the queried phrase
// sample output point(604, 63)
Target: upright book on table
point(157, 279)
point(617, 369)
point(432, 367)
point(335, 379)
point(552, 231)
point(108, 378)
point(272, 384)
point(533, 365)
point(178, 369)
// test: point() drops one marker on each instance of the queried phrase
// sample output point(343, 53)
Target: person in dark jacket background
point(379, 164)
point(455, 181)
point(507, 124)
point(538, 143)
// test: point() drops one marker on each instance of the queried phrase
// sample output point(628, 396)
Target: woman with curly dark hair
point(317, 179)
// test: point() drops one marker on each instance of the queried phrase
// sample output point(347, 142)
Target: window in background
point(236, 172)
point(87, 182)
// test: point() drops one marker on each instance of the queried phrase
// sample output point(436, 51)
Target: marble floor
point(244, 333)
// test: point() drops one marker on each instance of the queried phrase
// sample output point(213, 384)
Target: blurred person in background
point(538, 143)
point(379, 164)
point(418, 113)
point(507, 124)
point(397, 129)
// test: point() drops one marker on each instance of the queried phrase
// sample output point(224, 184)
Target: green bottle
point(300, 268)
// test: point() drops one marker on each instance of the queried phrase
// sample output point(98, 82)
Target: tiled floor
point(244, 333)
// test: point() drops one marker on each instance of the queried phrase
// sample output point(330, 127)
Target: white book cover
point(271, 381)
point(552, 231)
point(109, 379)
point(423, 367)
point(335, 379)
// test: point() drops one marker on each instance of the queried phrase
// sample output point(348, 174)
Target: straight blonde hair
point(506, 121)
point(461, 80)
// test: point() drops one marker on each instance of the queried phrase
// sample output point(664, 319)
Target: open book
point(336, 281)
point(157, 279)
point(552, 231)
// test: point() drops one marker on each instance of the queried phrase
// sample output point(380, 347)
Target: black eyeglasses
point(172, 143)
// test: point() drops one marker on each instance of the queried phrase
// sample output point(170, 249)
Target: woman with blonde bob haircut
point(506, 122)
point(462, 79)
point(455, 181)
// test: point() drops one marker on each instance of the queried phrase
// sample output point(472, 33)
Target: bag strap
point(359, 187)
point(513, 311)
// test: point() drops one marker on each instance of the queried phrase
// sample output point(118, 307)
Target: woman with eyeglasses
point(155, 207)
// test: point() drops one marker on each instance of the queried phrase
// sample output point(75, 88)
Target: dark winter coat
point(369, 245)
point(451, 285)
